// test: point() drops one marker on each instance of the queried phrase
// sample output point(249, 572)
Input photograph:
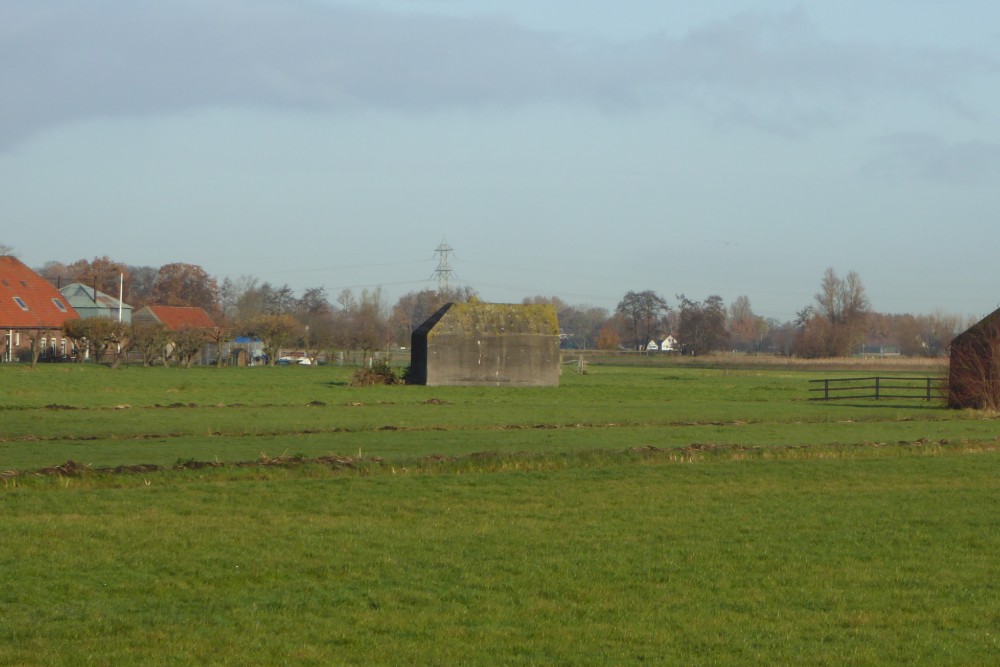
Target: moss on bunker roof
point(498, 319)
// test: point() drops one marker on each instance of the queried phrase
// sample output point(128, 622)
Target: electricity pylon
point(443, 270)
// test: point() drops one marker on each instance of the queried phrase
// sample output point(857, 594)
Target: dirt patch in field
point(69, 469)
point(75, 469)
point(486, 460)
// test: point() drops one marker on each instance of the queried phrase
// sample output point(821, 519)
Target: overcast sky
point(577, 148)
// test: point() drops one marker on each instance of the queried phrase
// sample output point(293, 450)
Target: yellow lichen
point(499, 319)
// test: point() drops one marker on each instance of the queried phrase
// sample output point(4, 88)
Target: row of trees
point(702, 326)
point(838, 322)
point(171, 284)
point(111, 340)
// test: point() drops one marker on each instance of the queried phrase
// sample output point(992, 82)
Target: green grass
point(631, 516)
point(95, 416)
point(845, 561)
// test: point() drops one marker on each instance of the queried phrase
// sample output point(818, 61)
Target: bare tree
point(240, 299)
point(315, 314)
point(742, 323)
point(275, 332)
point(370, 330)
point(35, 337)
point(139, 285)
point(218, 335)
point(78, 331)
point(840, 322)
point(186, 343)
point(99, 337)
point(703, 324)
point(641, 312)
point(279, 300)
point(608, 338)
point(827, 299)
point(150, 340)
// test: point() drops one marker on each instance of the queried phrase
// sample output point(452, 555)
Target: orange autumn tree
point(180, 284)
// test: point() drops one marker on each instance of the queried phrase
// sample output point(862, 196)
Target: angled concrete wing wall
point(475, 344)
point(418, 346)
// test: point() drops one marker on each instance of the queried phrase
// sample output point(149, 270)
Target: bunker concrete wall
point(973, 378)
point(528, 360)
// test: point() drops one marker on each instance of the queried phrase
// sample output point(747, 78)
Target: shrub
point(380, 372)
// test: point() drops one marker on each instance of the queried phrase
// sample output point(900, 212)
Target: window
point(19, 301)
point(59, 304)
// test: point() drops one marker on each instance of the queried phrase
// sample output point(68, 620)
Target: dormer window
point(19, 301)
point(59, 305)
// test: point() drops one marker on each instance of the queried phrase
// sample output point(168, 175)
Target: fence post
point(876, 387)
point(928, 389)
point(826, 389)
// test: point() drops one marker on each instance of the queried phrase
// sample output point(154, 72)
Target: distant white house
point(668, 344)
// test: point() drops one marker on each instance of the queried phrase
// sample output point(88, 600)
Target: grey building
point(89, 302)
point(479, 343)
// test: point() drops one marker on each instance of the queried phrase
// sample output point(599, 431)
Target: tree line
point(838, 322)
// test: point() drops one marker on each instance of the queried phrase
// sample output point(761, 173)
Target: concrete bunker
point(974, 366)
point(476, 344)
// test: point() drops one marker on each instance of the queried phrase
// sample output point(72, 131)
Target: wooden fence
point(876, 387)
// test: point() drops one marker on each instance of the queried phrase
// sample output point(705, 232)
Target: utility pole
point(443, 270)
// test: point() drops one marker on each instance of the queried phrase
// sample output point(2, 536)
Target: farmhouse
point(32, 313)
point(175, 318)
point(180, 320)
point(89, 302)
point(974, 369)
point(479, 343)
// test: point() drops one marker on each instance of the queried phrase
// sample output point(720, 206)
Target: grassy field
point(163, 415)
point(666, 515)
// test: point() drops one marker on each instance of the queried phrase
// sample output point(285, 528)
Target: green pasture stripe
point(134, 415)
point(391, 443)
point(882, 561)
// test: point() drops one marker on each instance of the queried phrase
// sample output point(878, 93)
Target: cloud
point(63, 61)
point(921, 156)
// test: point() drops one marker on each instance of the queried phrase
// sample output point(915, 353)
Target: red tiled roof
point(180, 317)
point(20, 285)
